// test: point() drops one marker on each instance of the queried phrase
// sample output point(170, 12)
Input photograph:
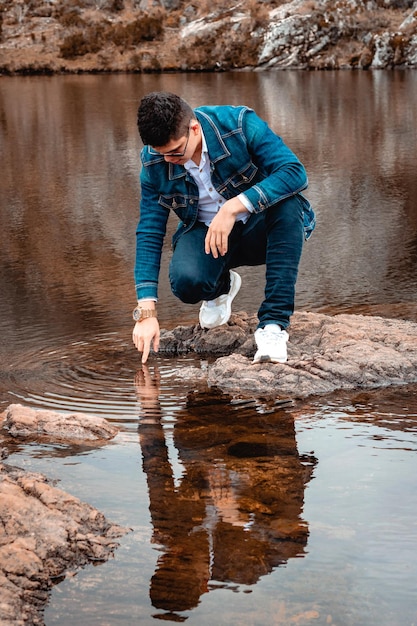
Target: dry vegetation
point(77, 34)
point(144, 35)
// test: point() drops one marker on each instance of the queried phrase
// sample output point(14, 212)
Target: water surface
point(241, 512)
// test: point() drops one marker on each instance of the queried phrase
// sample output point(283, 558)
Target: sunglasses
point(172, 154)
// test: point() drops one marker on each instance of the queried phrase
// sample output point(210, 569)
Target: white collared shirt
point(210, 201)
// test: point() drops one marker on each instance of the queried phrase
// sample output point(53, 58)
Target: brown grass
point(94, 37)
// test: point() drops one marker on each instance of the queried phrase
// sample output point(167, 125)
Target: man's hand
point(146, 335)
point(217, 237)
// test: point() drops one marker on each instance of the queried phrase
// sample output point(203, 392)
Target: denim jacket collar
point(218, 149)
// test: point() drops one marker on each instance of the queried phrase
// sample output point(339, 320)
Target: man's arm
point(283, 173)
point(283, 176)
point(150, 236)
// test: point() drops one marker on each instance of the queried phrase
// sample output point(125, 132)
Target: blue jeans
point(273, 238)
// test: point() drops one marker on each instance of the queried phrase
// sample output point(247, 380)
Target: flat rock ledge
point(325, 354)
point(44, 533)
point(25, 422)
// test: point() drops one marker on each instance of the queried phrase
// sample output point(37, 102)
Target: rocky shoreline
point(53, 36)
point(45, 533)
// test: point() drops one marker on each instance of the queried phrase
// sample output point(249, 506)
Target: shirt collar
point(204, 153)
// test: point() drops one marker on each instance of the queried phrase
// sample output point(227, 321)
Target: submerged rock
point(325, 353)
point(44, 532)
point(22, 421)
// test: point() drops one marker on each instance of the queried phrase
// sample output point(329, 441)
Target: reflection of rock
point(21, 421)
point(324, 354)
point(43, 533)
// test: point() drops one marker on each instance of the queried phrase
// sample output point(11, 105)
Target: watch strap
point(140, 314)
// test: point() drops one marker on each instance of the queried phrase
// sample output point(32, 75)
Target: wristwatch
point(140, 314)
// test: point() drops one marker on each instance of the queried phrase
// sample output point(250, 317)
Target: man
point(236, 188)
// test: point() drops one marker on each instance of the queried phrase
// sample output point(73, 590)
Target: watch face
point(137, 315)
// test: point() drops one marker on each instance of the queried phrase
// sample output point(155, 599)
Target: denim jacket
point(246, 156)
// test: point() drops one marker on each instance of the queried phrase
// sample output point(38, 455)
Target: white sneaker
point(272, 344)
point(216, 312)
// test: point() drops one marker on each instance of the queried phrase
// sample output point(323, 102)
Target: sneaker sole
point(268, 359)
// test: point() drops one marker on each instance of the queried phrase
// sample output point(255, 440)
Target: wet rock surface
point(22, 421)
point(44, 533)
point(325, 353)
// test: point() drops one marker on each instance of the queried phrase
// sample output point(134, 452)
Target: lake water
point(240, 513)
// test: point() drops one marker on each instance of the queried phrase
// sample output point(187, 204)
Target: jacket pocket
point(175, 202)
point(185, 207)
point(244, 177)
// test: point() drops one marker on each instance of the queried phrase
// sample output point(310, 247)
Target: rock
point(236, 336)
point(325, 353)
point(44, 532)
point(21, 421)
point(384, 52)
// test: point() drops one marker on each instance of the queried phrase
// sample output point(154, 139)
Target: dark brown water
point(241, 513)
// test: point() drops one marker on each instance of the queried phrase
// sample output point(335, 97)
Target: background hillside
point(52, 36)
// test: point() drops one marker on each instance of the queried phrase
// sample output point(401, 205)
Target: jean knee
point(289, 212)
point(185, 287)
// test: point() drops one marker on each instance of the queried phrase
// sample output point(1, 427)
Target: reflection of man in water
point(236, 512)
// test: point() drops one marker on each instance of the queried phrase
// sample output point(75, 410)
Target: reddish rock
point(22, 421)
point(44, 532)
point(325, 353)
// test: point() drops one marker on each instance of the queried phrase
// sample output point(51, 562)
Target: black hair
point(163, 116)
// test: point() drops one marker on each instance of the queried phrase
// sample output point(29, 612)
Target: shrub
point(145, 28)
point(71, 18)
point(73, 46)
point(259, 14)
point(220, 51)
point(145, 64)
point(82, 42)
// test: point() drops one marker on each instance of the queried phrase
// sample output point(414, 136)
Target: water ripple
point(92, 376)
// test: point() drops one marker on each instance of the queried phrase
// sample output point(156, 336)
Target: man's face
point(180, 150)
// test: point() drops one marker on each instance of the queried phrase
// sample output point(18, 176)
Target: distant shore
point(78, 37)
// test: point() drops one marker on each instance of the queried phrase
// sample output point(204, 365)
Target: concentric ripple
point(102, 376)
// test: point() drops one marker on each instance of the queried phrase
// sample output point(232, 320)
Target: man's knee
point(288, 213)
point(191, 285)
point(186, 285)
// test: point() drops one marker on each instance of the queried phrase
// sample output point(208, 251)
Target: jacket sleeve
point(283, 175)
point(150, 234)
